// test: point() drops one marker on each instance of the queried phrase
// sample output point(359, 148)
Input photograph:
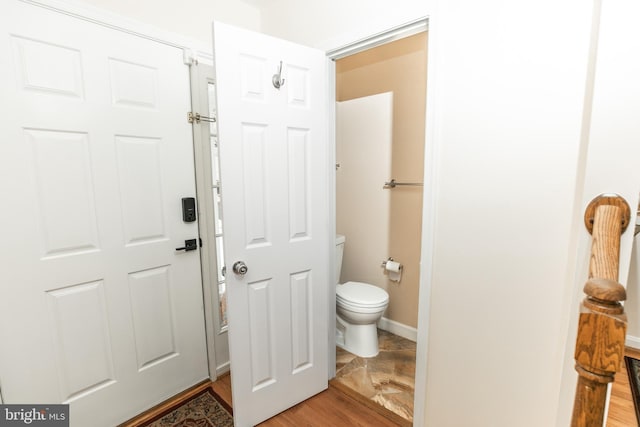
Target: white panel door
point(273, 152)
point(99, 308)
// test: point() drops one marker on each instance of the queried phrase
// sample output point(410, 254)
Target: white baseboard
point(398, 328)
point(223, 369)
point(633, 342)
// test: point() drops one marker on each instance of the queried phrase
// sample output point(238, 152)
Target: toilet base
point(361, 340)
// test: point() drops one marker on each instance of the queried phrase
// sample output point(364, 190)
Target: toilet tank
point(339, 252)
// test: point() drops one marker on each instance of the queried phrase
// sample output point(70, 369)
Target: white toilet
point(359, 306)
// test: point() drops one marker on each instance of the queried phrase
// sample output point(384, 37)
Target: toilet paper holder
point(393, 270)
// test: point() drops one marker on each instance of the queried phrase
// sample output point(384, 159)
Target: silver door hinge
point(197, 118)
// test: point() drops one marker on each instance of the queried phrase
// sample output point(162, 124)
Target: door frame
point(429, 198)
point(206, 231)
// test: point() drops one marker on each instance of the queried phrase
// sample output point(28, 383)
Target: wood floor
point(332, 407)
point(621, 410)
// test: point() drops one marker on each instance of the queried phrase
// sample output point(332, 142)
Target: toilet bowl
point(359, 306)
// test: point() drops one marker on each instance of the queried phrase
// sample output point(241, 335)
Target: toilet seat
point(355, 306)
point(361, 295)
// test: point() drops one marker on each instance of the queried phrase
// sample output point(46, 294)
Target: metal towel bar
point(393, 183)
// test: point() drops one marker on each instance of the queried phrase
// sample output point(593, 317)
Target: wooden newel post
point(602, 324)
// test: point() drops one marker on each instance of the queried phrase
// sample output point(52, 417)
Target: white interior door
point(100, 309)
point(274, 176)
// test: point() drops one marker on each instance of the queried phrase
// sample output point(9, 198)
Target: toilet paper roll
point(393, 266)
point(394, 270)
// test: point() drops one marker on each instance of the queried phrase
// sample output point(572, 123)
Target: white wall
point(363, 150)
point(548, 100)
point(508, 97)
point(191, 18)
point(611, 163)
point(330, 24)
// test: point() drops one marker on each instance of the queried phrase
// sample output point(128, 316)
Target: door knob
point(239, 267)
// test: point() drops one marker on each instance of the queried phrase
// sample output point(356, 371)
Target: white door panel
point(273, 151)
point(105, 314)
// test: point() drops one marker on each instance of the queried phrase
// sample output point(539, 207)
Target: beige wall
point(398, 67)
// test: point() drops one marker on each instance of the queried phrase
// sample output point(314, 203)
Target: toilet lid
point(362, 293)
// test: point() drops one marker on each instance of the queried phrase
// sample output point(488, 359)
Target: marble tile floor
point(387, 379)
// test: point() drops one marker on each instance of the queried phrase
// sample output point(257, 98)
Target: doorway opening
point(380, 141)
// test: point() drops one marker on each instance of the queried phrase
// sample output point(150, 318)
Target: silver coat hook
point(277, 79)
